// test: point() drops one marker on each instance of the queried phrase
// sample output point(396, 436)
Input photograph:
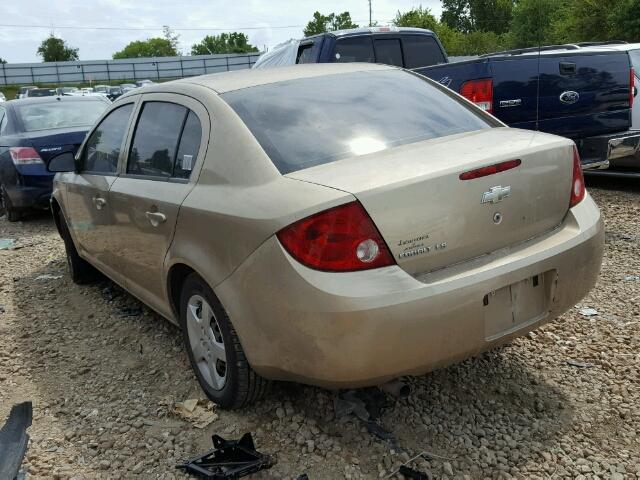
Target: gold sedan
point(339, 225)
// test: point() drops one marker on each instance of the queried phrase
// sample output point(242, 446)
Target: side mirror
point(63, 162)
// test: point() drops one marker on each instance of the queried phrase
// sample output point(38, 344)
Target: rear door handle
point(156, 218)
point(99, 202)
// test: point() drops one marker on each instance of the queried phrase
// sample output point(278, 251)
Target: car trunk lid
point(430, 218)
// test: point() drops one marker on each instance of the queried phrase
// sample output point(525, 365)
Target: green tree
point(539, 22)
point(625, 21)
point(152, 47)
point(477, 15)
point(455, 42)
point(457, 15)
point(233, 42)
point(2, 60)
point(326, 23)
point(54, 49)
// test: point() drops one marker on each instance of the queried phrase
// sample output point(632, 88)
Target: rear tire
point(13, 215)
point(81, 271)
point(208, 336)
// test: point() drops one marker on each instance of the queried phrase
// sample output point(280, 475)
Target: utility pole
point(370, 13)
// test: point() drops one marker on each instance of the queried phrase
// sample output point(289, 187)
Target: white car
point(2, 97)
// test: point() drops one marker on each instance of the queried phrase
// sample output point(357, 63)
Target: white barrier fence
point(153, 68)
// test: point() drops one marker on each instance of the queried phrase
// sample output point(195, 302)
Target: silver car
point(339, 225)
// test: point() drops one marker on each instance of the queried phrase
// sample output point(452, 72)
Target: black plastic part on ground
point(412, 474)
point(229, 459)
point(14, 440)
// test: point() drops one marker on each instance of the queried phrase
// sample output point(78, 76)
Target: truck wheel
point(214, 348)
point(13, 215)
point(81, 271)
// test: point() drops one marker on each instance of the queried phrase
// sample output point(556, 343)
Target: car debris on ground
point(14, 440)
point(229, 460)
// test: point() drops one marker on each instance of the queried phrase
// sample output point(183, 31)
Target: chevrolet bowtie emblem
point(496, 194)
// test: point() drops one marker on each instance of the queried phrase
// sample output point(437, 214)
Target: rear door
point(584, 94)
point(87, 205)
point(165, 152)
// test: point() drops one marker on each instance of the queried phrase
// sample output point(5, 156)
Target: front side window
point(421, 51)
point(308, 52)
point(102, 149)
point(312, 121)
point(354, 49)
point(388, 51)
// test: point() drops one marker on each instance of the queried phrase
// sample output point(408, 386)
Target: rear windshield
point(311, 121)
point(59, 114)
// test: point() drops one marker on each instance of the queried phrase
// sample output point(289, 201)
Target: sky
point(24, 24)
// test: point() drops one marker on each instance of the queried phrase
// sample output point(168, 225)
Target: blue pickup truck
point(584, 92)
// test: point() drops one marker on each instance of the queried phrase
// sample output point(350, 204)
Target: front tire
point(214, 349)
point(81, 271)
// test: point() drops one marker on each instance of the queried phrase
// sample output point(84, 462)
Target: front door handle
point(99, 202)
point(156, 218)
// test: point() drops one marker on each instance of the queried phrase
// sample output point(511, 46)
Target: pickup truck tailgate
point(584, 95)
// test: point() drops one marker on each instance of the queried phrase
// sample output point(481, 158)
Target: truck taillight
point(24, 156)
point(479, 92)
point(632, 87)
point(341, 239)
point(578, 190)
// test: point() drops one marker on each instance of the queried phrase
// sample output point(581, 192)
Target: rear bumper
point(22, 197)
point(618, 149)
point(364, 328)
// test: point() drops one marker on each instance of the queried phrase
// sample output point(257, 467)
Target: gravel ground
point(104, 374)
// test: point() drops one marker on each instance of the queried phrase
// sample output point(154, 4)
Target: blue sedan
point(31, 131)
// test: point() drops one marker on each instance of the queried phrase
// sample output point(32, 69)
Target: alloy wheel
point(207, 344)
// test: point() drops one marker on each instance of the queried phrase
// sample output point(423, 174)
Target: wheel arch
point(56, 211)
point(176, 275)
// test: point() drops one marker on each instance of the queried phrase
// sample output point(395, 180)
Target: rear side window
point(189, 147)
point(388, 51)
point(354, 49)
point(421, 51)
point(155, 143)
point(166, 141)
point(311, 121)
point(103, 146)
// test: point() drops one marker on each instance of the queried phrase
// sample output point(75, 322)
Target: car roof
point(381, 30)
point(235, 80)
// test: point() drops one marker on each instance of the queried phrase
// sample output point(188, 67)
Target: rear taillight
point(632, 87)
point(341, 239)
point(479, 92)
point(578, 189)
point(24, 156)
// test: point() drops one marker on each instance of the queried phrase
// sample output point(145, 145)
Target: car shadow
point(110, 371)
